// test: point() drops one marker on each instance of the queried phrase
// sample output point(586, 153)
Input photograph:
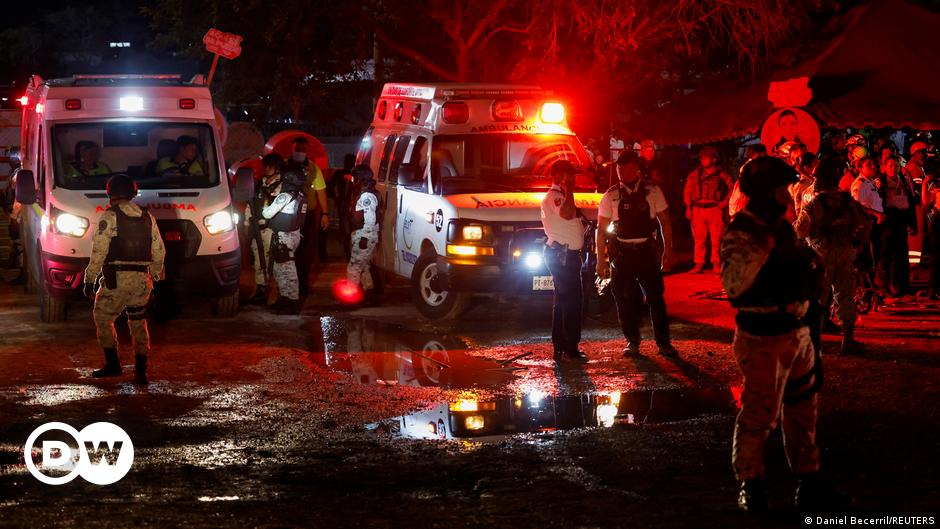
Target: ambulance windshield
point(155, 155)
point(478, 163)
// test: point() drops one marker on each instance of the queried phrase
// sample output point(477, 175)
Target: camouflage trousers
point(707, 222)
point(839, 262)
point(363, 246)
point(132, 294)
point(284, 272)
point(774, 368)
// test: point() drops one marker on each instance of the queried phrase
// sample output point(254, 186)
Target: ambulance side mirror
point(244, 185)
point(25, 187)
point(408, 175)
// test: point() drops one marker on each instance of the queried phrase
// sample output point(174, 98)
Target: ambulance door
point(414, 206)
point(391, 202)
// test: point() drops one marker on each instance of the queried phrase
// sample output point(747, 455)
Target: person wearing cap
point(630, 214)
point(648, 165)
point(563, 255)
point(127, 253)
point(365, 221)
point(706, 195)
point(836, 226)
point(770, 276)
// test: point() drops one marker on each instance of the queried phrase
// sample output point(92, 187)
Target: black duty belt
point(704, 204)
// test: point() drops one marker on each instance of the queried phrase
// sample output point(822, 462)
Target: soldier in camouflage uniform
point(365, 220)
point(769, 277)
point(283, 219)
point(127, 252)
point(836, 226)
point(270, 186)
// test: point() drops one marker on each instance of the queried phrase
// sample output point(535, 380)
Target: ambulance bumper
point(482, 275)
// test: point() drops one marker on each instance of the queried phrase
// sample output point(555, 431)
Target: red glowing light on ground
point(347, 292)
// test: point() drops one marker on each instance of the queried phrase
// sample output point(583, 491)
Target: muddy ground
point(311, 421)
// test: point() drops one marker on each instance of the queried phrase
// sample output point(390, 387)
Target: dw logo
point(102, 453)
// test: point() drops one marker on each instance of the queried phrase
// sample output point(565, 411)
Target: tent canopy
point(881, 70)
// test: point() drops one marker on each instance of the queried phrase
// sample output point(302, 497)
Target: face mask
point(299, 156)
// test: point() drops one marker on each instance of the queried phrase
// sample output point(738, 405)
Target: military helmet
point(121, 186)
point(760, 176)
point(856, 140)
point(363, 174)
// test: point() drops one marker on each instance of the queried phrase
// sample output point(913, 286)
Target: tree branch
point(421, 59)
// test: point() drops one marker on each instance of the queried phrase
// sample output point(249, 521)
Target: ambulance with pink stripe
point(461, 170)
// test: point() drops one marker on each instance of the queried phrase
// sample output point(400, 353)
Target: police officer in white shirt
point(563, 257)
point(636, 207)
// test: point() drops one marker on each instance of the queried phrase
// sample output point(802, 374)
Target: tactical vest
point(786, 277)
point(291, 216)
point(133, 241)
point(633, 214)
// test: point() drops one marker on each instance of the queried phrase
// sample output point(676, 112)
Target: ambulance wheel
point(51, 309)
point(227, 306)
point(431, 300)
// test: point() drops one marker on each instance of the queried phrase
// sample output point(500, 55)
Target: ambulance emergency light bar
point(484, 92)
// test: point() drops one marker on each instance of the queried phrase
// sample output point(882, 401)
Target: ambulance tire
point(226, 306)
point(432, 301)
point(51, 308)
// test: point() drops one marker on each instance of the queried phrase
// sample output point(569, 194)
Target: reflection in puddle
point(55, 395)
point(494, 419)
point(376, 353)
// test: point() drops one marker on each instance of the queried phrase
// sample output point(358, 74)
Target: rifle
point(256, 235)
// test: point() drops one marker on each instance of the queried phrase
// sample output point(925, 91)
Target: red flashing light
point(73, 104)
point(173, 236)
point(416, 114)
point(507, 111)
point(383, 108)
point(455, 112)
point(187, 104)
point(23, 100)
point(399, 110)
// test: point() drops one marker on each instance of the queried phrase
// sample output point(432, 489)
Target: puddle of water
point(377, 353)
point(495, 419)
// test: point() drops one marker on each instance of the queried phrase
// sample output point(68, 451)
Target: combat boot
point(112, 365)
point(260, 296)
point(850, 346)
point(752, 497)
point(140, 370)
point(697, 269)
point(815, 494)
point(290, 307)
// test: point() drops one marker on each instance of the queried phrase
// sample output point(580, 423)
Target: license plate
point(543, 283)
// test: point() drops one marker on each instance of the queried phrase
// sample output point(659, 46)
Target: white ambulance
point(461, 172)
point(76, 133)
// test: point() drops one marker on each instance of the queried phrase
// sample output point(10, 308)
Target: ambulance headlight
point(533, 260)
point(472, 233)
point(71, 225)
point(219, 222)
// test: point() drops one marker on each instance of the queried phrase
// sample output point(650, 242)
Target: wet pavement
point(375, 417)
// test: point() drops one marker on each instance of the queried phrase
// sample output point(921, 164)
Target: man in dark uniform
point(630, 213)
point(565, 240)
point(770, 276)
point(127, 252)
